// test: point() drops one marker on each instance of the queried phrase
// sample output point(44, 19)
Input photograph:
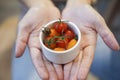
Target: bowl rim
point(61, 52)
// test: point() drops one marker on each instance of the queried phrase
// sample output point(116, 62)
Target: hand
point(28, 34)
point(90, 23)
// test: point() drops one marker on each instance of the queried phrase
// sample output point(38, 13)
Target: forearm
point(78, 2)
point(31, 3)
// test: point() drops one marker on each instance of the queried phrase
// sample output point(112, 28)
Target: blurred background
point(10, 12)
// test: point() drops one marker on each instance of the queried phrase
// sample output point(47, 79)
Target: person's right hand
point(28, 34)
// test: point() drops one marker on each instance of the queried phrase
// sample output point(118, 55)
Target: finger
point(106, 34)
point(59, 71)
point(21, 41)
point(26, 25)
point(24, 28)
point(75, 67)
point(51, 70)
point(88, 54)
point(67, 69)
point(38, 63)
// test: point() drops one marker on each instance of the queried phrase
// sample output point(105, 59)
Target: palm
point(88, 21)
point(28, 34)
point(38, 21)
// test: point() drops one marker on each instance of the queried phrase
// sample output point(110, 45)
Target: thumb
point(22, 36)
point(26, 25)
point(106, 34)
point(21, 40)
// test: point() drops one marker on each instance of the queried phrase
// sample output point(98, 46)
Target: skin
point(78, 11)
point(28, 33)
point(90, 23)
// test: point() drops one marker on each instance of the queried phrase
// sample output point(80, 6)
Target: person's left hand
point(90, 23)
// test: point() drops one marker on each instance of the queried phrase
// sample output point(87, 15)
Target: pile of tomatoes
point(59, 36)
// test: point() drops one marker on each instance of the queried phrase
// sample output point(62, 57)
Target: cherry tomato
point(62, 42)
point(53, 33)
point(71, 43)
point(59, 49)
point(60, 27)
point(50, 42)
point(69, 34)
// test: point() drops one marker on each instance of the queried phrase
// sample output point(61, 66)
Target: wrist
point(79, 2)
point(36, 3)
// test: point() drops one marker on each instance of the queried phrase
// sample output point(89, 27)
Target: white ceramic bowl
point(61, 57)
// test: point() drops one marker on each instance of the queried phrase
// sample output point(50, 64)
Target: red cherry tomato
point(50, 42)
point(69, 34)
point(60, 27)
point(62, 42)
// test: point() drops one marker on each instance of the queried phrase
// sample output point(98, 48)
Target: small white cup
point(61, 57)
